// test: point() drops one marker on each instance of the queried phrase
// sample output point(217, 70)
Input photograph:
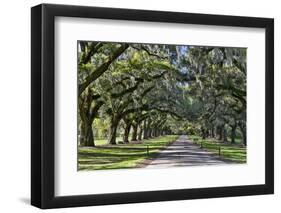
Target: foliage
point(148, 90)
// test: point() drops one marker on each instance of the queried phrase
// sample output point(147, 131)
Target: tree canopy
point(147, 90)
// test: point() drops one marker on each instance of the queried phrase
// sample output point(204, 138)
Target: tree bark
point(244, 134)
point(203, 133)
point(145, 132)
point(224, 135)
point(89, 136)
point(140, 133)
point(86, 133)
point(207, 133)
point(149, 132)
point(113, 130)
point(127, 132)
point(93, 48)
point(135, 132)
point(87, 115)
point(156, 132)
point(153, 133)
point(213, 132)
point(233, 133)
point(220, 130)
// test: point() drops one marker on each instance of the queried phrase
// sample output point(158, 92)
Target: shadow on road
point(184, 153)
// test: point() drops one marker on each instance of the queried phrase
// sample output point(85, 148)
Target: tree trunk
point(220, 129)
point(113, 131)
point(135, 132)
point(140, 134)
point(87, 116)
point(82, 133)
point(203, 133)
point(153, 133)
point(86, 132)
point(126, 133)
point(89, 137)
point(149, 132)
point(156, 132)
point(145, 130)
point(233, 133)
point(213, 132)
point(244, 134)
point(225, 135)
point(207, 133)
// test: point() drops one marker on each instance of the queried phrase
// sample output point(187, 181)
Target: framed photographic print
point(139, 106)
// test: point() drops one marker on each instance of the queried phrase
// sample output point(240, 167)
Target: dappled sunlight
point(121, 156)
point(136, 99)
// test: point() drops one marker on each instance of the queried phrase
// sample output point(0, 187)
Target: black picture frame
point(43, 117)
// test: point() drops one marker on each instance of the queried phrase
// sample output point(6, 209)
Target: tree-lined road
point(184, 153)
point(132, 93)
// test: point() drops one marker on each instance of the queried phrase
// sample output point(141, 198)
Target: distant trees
point(220, 88)
point(149, 90)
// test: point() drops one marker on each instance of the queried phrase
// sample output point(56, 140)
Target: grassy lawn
point(120, 156)
point(233, 152)
point(101, 142)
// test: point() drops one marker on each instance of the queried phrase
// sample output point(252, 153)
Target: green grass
point(121, 156)
point(101, 142)
point(234, 152)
